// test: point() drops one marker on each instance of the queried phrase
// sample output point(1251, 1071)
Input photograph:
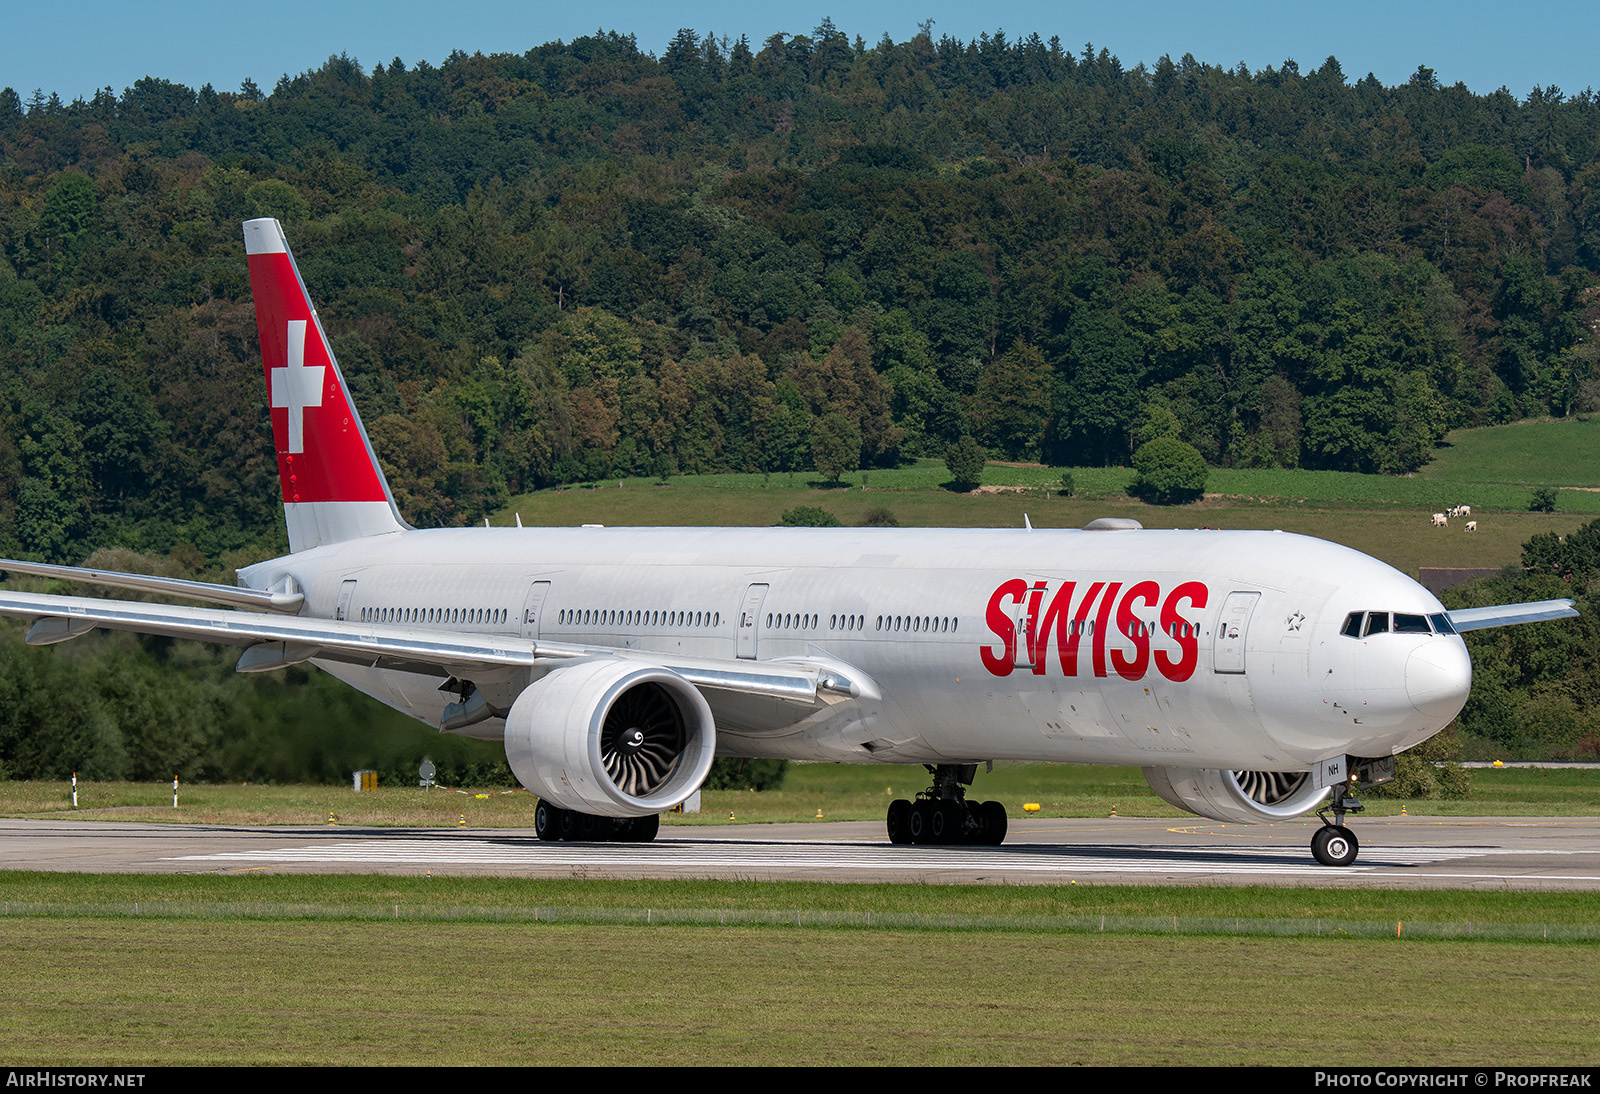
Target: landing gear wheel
point(994, 823)
point(917, 823)
point(547, 821)
point(593, 829)
point(942, 825)
point(566, 825)
point(639, 829)
point(899, 821)
point(1334, 845)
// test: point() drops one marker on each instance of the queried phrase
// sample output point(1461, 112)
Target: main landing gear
point(941, 814)
point(1334, 844)
point(552, 824)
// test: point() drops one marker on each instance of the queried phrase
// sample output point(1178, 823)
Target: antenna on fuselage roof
point(519, 520)
point(1026, 523)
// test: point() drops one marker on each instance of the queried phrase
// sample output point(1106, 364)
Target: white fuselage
point(1196, 649)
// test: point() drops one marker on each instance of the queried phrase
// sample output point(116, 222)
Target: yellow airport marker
point(819, 814)
point(330, 820)
point(1030, 807)
point(461, 821)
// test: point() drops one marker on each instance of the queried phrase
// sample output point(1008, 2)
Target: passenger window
point(1377, 622)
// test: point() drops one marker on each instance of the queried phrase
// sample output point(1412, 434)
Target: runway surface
point(1521, 853)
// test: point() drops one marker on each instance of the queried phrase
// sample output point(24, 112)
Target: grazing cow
point(1440, 520)
point(1466, 510)
point(1472, 526)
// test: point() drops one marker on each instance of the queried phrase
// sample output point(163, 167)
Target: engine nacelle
point(1242, 797)
point(611, 738)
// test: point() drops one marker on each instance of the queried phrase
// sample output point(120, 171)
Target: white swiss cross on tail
point(297, 386)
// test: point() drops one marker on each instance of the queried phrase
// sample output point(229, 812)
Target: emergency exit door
point(1233, 627)
point(750, 621)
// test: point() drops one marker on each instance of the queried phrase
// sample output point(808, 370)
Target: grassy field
point(837, 791)
point(1493, 470)
point(131, 990)
point(130, 993)
point(1560, 452)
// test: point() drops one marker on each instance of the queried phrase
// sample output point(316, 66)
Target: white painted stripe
point(264, 237)
point(738, 855)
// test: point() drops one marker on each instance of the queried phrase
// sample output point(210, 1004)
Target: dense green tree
point(835, 446)
point(808, 516)
point(1168, 472)
point(1012, 402)
point(965, 460)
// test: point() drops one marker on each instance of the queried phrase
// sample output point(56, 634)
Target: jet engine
point(612, 738)
point(1243, 797)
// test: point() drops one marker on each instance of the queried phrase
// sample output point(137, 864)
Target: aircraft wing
point(1505, 615)
point(273, 641)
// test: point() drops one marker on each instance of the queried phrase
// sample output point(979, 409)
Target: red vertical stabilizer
point(333, 488)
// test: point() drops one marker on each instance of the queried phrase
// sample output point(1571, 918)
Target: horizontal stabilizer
point(268, 600)
point(1505, 615)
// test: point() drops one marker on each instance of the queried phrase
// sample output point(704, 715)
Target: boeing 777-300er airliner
point(1254, 676)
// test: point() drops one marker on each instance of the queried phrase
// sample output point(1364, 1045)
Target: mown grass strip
point(127, 992)
point(813, 918)
point(395, 896)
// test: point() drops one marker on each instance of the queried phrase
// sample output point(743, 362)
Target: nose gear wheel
point(1334, 845)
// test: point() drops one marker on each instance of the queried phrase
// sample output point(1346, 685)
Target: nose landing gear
point(942, 815)
point(1334, 844)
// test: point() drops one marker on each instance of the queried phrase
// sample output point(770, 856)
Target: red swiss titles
point(1077, 610)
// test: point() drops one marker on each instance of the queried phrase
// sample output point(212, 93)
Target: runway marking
point(753, 855)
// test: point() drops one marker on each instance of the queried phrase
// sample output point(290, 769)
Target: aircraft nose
point(1438, 678)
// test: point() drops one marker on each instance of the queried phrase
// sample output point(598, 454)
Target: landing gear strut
point(942, 815)
point(552, 824)
point(1334, 844)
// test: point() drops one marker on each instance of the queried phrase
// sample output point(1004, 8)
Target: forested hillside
point(586, 260)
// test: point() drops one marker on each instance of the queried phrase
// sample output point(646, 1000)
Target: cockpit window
point(1361, 624)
